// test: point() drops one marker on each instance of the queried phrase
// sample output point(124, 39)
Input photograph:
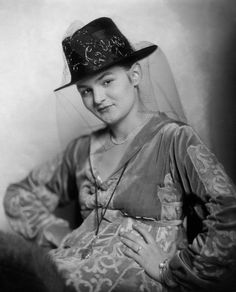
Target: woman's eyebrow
point(79, 86)
point(103, 75)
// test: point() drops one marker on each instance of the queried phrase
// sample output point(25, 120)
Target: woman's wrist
point(165, 275)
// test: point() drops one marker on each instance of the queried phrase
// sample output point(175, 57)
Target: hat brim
point(134, 57)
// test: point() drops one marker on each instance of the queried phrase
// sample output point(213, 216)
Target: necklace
point(131, 134)
point(119, 142)
point(86, 252)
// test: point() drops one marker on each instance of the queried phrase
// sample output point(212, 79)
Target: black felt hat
point(96, 47)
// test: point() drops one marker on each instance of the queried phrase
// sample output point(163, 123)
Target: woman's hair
point(127, 64)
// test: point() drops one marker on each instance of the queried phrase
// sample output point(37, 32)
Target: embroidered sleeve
point(210, 257)
point(29, 204)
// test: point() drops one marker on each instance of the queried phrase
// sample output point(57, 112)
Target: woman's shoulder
point(180, 135)
point(178, 128)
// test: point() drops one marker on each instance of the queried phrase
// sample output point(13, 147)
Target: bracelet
point(162, 268)
point(165, 277)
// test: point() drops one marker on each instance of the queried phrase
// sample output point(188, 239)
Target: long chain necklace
point(86, 252)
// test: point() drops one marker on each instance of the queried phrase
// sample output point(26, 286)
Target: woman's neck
point(136, 117)
point(124, 129)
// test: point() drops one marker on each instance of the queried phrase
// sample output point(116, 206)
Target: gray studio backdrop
point(197, 36)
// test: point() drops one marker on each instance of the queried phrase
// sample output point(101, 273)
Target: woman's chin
point(108, 119)
point(109, 122)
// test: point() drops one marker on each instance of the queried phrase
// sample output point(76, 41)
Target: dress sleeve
point(209, 260)
point(29, 204)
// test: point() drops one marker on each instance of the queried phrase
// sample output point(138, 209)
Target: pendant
point(86, 252)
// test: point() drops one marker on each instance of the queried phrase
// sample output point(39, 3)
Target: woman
point(136, 181)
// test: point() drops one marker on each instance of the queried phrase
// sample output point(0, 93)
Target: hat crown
point(95, 46)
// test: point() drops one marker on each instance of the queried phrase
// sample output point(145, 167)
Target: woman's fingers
point(140, 245)
point(89, 175)
point(145, 234)
point(136, 246)
point(138, 234)
point(131, 254)
point(129, 235)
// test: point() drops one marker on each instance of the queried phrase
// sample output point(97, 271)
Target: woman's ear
point(135, 74)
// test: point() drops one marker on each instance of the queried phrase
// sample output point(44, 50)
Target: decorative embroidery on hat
point(86, 50)
point(97, 46)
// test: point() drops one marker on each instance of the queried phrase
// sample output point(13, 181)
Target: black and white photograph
point(118, 139)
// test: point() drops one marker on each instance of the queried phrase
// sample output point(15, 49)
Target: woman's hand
point(87, 197)
point(143, 249)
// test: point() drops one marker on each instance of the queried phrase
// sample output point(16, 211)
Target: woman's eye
point(85, 92)
point(107, 82)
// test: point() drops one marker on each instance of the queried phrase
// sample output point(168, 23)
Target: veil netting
point(157, 90)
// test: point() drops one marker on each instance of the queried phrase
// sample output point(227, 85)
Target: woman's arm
point(211, 256)
point(29, 204)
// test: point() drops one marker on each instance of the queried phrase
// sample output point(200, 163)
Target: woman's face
point(109, 95)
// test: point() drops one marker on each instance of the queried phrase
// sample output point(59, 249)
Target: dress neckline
point(147, 131)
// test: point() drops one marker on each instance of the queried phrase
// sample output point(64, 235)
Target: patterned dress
point(167, 180)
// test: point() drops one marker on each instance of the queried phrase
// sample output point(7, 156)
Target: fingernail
point(123, 248)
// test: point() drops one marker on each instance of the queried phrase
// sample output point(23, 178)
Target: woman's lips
point(103, 108)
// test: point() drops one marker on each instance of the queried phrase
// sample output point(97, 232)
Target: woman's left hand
point(143, 249)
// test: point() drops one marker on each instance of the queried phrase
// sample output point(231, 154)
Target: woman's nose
point(98, 96)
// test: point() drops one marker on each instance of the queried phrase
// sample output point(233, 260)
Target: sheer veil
point(157, 91)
